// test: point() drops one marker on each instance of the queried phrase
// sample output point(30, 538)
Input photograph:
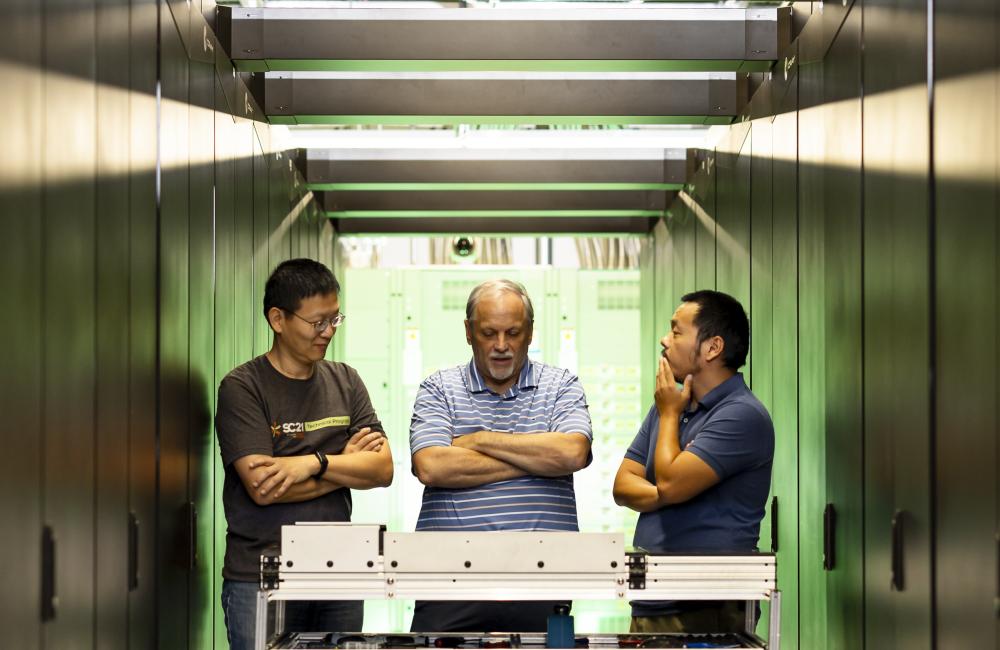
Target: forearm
point(539, 454)
point(361, 470)
point(666, 452)
point(455, 467)
point(304, 491)
point(635, 492)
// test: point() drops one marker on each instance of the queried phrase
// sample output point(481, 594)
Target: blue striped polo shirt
point(455, 402)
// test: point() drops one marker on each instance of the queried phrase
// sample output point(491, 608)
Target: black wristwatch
point(323, 462)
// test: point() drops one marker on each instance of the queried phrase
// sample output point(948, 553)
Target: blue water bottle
point(560, 632)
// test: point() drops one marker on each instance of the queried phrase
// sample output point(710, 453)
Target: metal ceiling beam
point(673, 167)
point(494, 200)
point(496, 226)
point(625, 39)
point(316, 98)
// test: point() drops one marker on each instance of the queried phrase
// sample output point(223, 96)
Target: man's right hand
point(364, 440)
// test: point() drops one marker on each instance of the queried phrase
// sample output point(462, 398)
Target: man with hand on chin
point(699, 469)
point(496, 441)
point(296, 433)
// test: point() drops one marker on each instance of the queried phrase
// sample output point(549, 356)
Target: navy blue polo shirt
point(732, 432)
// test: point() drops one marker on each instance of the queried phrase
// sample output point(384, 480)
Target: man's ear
point(468, 332)
point(712, 348)
point(276, 318)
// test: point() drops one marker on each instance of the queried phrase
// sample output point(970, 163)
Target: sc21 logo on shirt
point(288, 430)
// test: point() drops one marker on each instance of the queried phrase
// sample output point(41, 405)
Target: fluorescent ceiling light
point(497, 154)
point(507, 76)
point(496, 140)
point(516, 12)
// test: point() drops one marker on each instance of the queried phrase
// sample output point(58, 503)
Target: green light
point(471, 214)
point(501, 65)
point(490, 187)
point(454, 120)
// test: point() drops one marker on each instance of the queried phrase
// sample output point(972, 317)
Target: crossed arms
point(679, 475)
point(488, 456)
point(366, 462)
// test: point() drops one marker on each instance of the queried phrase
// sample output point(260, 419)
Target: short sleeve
point(639, 449)
point(570, 413)
point(431, 424)
point(240, 422)
point(736, 439)
point(362, 412)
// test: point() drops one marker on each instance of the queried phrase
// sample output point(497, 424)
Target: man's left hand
point(670, 400)
point(282, 473)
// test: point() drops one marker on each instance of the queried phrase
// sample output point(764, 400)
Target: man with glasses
point(296, 433)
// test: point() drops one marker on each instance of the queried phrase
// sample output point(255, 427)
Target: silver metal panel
point(494, 200)
point(631, 33)
point(520, 225)
point(528, 552)
point(496, 171)
point(330, 547)
point(718, 96)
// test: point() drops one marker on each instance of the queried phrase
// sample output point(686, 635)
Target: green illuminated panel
point(493, 65)
point(421, 214)
point(452, 120)
point(505, 187)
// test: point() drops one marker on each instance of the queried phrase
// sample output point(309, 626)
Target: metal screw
point(468, 564)
point(370, 564)
point(620, 581)
point(329, 563)
point(621, 594)
point(391, 595)
point(390, 581)
point(288, 563)
point(394, 564)
point(614, 564)
point(540, 564)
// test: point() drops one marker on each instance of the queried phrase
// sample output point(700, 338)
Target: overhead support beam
point(596, 169)
point(498, 191)
point(663, 38)
point(518, 200)
point(496, 226)
point(397, 98)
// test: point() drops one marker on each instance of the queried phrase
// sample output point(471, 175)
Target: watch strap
point(323, 463)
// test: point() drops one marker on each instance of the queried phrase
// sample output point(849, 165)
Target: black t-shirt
point(260, 411)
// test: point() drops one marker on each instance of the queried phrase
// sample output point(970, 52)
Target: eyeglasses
point(321, 325)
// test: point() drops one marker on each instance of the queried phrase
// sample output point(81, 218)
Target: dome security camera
point(463, 247)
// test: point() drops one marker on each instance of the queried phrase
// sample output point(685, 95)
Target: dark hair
point(295, 280)
point(720, 314)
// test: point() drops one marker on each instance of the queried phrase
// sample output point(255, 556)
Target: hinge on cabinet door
point(896, 565)
point(49, 598)
point(133, 552)
point(829, 537)
point(774, 524)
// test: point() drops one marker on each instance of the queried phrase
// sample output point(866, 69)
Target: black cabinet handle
point(774, 524)
point(897, 551)
point(192, 535)
point(996, 598)
point(48, 574)
point(133, 552)
point(829, 535)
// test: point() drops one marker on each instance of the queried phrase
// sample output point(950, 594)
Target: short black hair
point(719, 314)
point(293, 281)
